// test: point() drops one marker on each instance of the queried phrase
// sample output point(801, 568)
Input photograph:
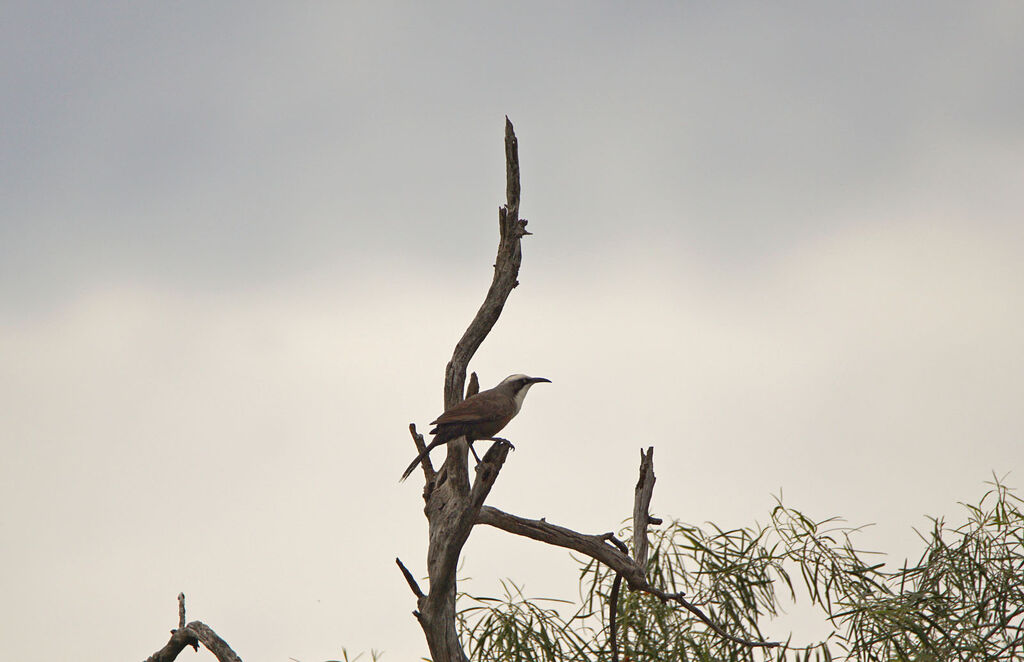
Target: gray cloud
point(247, 145)
point(237, 244)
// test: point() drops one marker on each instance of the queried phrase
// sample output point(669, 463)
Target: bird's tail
point(438, 440)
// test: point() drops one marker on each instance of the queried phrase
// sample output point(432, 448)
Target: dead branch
point(600, 548)
point(506, 271)
point(641, 519)
point(426, 465)
point(452, 503)
point(642, 506)
point(474, 385)
point(596, 546)
point(613, 617)
point(213, 642)
point(413, 584)
point(180, 637)
point(193, 634)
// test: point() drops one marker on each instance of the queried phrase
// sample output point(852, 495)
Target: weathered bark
point(597, 546)
point(642, 506)
point(506, 272)
point(193, 634)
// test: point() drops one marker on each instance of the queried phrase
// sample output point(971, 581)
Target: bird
point(480, 416)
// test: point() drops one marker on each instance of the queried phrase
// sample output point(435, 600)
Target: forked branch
point(454, 505)
point(452, 502)
point(193, 634)
point(609, 550)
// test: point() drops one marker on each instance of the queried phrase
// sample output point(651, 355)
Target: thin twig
point(613, 616)
point(428, 468)
point(610, 537)
point(410, 579)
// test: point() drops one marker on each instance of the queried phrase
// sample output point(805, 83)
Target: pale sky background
point(238, 242)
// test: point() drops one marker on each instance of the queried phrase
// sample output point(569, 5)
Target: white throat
point(520, 396)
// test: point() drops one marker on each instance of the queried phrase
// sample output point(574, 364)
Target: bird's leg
point(474, 452)
point(503, 441)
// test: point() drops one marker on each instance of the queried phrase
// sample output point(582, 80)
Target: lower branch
point(599, 547)
point(595, 546)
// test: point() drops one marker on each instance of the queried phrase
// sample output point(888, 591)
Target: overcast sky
point(238, 242)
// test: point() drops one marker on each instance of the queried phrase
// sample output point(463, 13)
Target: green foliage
point(962, 600)
point(515, 629)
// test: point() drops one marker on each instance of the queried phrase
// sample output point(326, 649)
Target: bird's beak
point(536, 380)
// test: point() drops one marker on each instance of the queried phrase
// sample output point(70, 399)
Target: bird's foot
point(504, 441)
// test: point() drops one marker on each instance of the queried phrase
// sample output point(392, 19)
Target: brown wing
point(484, 406)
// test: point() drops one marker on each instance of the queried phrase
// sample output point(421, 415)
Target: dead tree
point(454, 505)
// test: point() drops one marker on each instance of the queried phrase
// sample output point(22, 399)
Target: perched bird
point(480, 416)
